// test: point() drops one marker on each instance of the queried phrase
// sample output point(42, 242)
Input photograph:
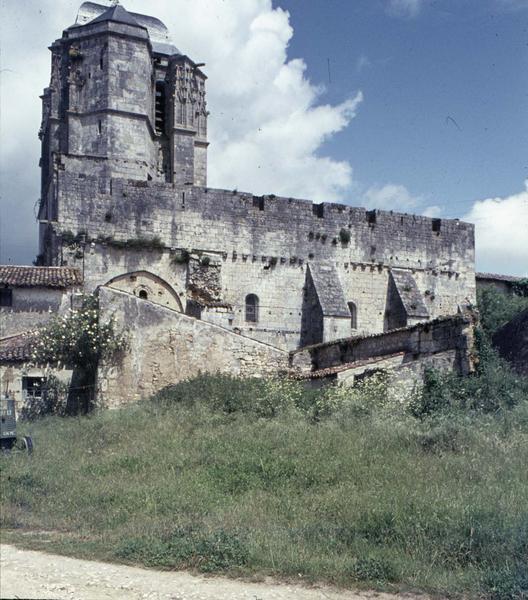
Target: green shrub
point(180, 257)
point(53, 401)
point(497, 308)
point(77, 339)
point(345, 235)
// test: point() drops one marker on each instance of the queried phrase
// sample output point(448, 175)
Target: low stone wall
point(165, 347)
point(447, 337)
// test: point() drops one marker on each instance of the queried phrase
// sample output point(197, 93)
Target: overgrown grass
point(350, 486)
point(249, 477)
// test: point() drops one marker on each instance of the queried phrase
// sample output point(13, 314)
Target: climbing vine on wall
point(77, 339)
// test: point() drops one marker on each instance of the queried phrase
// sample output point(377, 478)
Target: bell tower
point(123, 102)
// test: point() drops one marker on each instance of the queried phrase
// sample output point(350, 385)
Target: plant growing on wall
point(344, 235)
point(78, 341)
point(180, 257)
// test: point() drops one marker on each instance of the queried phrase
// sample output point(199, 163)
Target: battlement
point(125, 199)
point(230, 221)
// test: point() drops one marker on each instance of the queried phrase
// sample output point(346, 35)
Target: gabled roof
point(328, 289)
point(17, 348)
point(118, 14)
point(51, 277)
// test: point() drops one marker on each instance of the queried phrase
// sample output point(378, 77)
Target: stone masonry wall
point(452, 336)
point(264, 244)
point(165, 347)
point(31, 308)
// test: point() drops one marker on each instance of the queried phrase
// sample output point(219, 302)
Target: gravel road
point(30, 574)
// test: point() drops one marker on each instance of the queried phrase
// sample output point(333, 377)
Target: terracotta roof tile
point(17, 348)
point(54, 277)
point(345, 367)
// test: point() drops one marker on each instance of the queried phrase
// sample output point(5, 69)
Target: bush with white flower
point(77, 339)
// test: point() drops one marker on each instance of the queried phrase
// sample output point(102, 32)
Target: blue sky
point(445, 108)
point(407, 105)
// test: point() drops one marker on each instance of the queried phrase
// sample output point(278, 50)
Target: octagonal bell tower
point(123, 102)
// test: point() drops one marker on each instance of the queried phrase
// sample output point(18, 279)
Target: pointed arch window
point(252, 308)
point(353, 315)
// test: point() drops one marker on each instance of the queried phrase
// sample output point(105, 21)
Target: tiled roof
point(118, 14)
point(158, 32)
point(497, 277)
point(17, 348)
point(345, 367)
point(54, 277)
point(417, 326)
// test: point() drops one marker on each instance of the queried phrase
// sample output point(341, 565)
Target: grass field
point(248, 477)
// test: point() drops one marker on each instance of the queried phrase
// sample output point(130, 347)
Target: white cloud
point(405, 8)
point(501, 233)
point(398, 198)
point(363, 62)
point(267, 120)
point(432, 211)
point(391, 196)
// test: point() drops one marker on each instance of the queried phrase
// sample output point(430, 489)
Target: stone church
point(210, 279)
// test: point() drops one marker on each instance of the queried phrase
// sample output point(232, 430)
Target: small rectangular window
point(32, 387)
point(6, 297)
point(99, 126)
point(437, 224)
point(371, 217)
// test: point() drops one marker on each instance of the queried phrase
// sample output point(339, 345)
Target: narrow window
point(159, 116)
point(252, 308)
point(99, 126)
point(143, 295)
point(437, 224)
point(353, 315)
point(258, 202)
point(6, 297)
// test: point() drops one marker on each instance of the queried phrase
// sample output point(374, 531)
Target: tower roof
point(91, 12)
point(118, 14)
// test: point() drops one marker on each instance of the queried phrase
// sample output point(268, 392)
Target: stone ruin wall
point(165, 347)
point(262, 245)
point(450, 339)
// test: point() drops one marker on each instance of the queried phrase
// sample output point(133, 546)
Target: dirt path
point(29, 574)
